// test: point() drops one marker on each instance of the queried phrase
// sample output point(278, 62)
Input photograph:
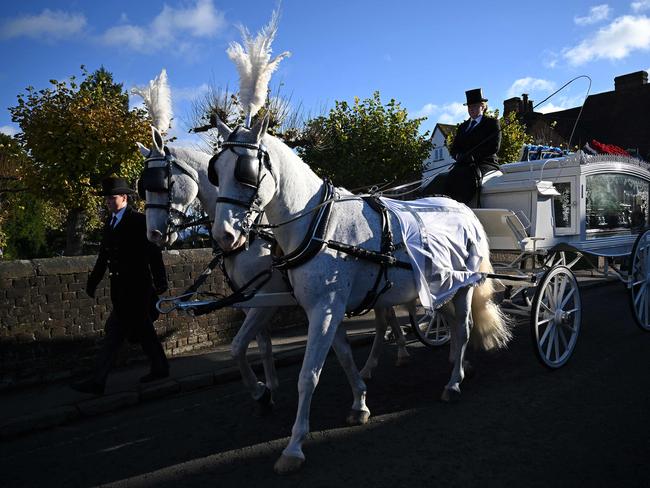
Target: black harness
point(158, 179)
point(248, 172)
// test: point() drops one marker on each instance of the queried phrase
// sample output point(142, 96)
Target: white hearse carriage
point(545, 216)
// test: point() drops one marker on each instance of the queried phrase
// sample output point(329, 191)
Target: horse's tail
point(491, 329)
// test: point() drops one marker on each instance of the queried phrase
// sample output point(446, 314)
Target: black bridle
point(248, 172)
point(158, 179)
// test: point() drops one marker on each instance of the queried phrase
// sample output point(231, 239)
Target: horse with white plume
point(258, 173)
point(188, 180)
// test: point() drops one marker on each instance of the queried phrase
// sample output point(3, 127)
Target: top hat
point(114, 186)
point(474, 96)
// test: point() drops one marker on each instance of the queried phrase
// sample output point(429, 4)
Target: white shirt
point(118, 216)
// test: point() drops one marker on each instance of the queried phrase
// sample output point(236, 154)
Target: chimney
point(631, 80)
point(511, 105)
point(526, 105)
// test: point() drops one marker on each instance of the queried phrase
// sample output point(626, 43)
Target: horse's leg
point(377, 343)
point(324, 319)
point(266, 352)
point(256, 320)
point(403, 356)
point(359, 413)
point(460, 329)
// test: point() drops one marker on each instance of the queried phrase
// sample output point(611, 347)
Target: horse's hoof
point(288, 464)
point(449, 395)
point(265, 403)
point(403, 361)
point(358, 417)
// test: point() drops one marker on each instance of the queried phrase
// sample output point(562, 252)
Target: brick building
point(617, 117)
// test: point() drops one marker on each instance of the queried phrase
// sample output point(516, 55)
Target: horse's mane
point(254, 66)
point(157, 100)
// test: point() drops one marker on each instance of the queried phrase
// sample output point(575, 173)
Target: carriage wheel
point(431, 328)
point(638, 280)
point(555, 316)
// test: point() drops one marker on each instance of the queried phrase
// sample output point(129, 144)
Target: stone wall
point(50, 328)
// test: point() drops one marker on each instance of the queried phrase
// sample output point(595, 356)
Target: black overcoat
point(136, 271)
point(478, 146)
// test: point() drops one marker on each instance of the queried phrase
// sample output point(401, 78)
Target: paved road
point(517, 424)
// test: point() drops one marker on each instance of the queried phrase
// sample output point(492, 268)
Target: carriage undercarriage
point(541, 287)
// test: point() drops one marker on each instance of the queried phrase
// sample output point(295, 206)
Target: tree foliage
point(365, 143)
point(513, 137)
point(76, 134)
point(26, 220)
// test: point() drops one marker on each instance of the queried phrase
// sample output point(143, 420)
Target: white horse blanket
point(444, 242)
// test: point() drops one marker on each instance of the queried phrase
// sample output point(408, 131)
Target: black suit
point(137, 273)
point(475, 152)
point(479, 146)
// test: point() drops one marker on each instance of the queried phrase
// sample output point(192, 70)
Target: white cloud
point(596, 14)
point(170, 29)
point(528, 85)
point(10, 130)
point(616, 41)
point(450, 113)
point(640, 5)
point(48, 25)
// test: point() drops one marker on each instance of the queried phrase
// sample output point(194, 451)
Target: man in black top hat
point(137, 275)
point(475, 149)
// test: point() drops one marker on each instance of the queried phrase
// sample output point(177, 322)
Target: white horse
point(259, 173)
point(187, 171)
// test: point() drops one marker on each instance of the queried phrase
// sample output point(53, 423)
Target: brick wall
point(50, 328)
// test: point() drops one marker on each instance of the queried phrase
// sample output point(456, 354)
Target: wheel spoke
point(548, 309)
point(550, 341)
point(560, 294)
point(560, 333)
point(567, 297)
point(546, 333)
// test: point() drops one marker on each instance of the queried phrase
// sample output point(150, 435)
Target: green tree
point(513, 137)
point(75, 135)
point(26, 221)
point(364, 143)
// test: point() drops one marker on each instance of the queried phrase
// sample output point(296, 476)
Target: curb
point(66, 414)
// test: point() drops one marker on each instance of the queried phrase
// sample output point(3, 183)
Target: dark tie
point(113, 220)
point(471, 125)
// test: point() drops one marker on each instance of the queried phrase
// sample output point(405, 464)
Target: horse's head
point(168, 185)
point(246, 183)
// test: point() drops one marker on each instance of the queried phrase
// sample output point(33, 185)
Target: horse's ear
point(144, 150)
point(260, 127)
point(158, 142)
point(222, 128)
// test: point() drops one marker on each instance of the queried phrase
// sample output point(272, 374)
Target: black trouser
point(460, 183)
point(116, 333)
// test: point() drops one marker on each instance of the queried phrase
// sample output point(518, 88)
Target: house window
point(615, 204)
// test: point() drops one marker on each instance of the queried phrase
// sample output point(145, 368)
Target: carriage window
point(615, 204)
point(562, 205)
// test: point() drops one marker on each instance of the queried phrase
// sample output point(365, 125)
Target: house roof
point(446, 129)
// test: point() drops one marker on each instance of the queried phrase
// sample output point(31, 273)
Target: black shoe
point(153, 376)
point(89, 386)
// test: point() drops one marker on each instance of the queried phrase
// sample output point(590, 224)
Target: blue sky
point(425, 54)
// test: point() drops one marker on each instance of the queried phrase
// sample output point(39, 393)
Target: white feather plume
point(157, 100)
point(254, 64)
